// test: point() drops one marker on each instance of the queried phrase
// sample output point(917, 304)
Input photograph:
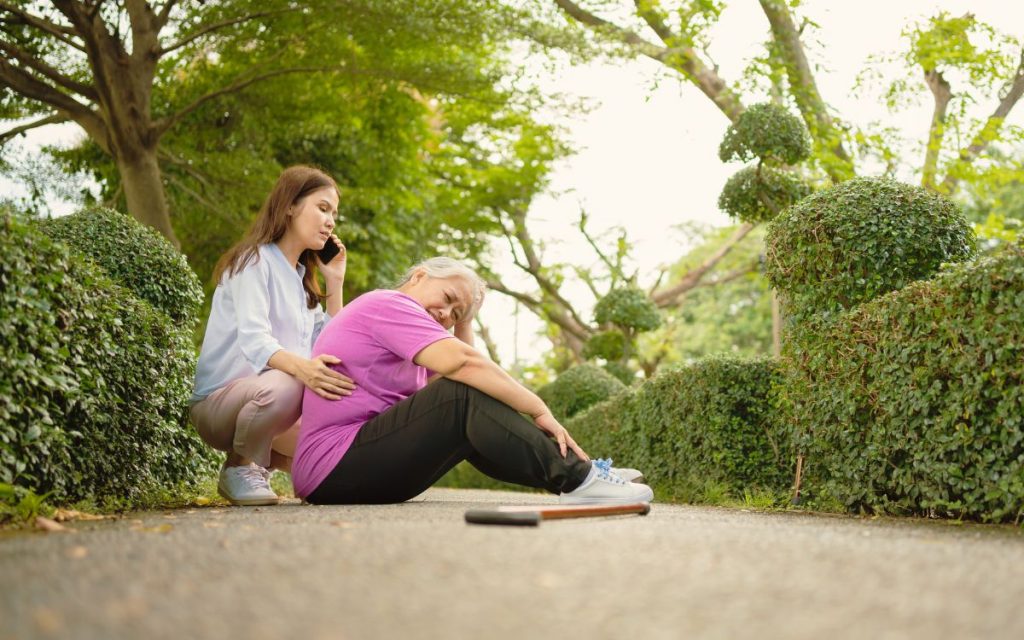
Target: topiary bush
point(95, 382)
point(578, 388)
point(863, 238)
point(769, 132)
point(135, 256)
point(758, 194)
point(609, 345)
point(628, 308)
point(701, 427)
point(913, 403)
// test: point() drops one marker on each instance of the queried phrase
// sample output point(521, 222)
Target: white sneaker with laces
point(605, 487)
point(246, 486)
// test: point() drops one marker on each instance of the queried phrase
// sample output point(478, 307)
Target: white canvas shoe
point(246, 486)
point(605, 487)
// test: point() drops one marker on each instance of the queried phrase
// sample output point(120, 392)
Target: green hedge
point(696, 431)
point(578, 388)
point(94, 382)
point(861, 239)
point(135, 256)
point(914, 403)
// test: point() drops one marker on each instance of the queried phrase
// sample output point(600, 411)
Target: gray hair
point(442, 267)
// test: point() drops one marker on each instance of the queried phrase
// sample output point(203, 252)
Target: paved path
point(416, 570)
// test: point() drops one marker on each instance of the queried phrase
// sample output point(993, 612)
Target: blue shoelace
point(604, 465)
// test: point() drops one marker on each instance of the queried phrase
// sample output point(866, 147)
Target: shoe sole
point(586, 501)
point(247, 502)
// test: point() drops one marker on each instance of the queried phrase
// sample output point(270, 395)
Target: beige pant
point(244, 416)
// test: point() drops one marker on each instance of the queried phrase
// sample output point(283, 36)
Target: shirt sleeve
point(405, 328)
point(249, 291)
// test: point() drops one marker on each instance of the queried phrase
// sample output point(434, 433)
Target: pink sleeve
point(403, 327)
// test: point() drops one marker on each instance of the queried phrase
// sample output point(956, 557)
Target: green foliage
point(95, 382)
point(578, 388)
point(758, 194)
point(733, 317)
point(609, 345)
point(19, 506)
point(622, 372)
point(863, 238)
point(627, 308)
point(913, 403)
point(136, 257)
point(769, 132)
point(697, 428)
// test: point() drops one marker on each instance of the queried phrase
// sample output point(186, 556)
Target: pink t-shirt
point(376, 336)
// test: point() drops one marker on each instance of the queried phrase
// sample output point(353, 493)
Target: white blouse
point(257, 312)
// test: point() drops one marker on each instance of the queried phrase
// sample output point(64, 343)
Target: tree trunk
point(144, 191)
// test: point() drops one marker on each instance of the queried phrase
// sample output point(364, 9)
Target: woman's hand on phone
point(324, 381)
point(334, 270)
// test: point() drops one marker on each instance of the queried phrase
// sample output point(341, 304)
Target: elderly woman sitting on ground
point(396, 435)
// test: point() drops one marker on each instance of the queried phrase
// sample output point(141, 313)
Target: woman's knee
point(280, 394)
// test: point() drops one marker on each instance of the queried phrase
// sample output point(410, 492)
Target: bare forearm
point(335, 296)
point(464, 332)
point(480, 373)
point(286, 361)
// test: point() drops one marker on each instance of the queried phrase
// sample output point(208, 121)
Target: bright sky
point(647, 156)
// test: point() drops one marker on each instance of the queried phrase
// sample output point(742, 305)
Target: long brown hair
point(294, 184)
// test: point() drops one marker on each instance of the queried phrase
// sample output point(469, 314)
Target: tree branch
point(61, 32)
point(42, 122)
point(192, 37)
point(804, 88)
point(683, 59)
point(691, 279)
point(1012, 93)
point(165, 123)
point(165, 13)
point(30, 87)
point(614, 269)
point(943, 94)
point(485, 335)
point(84, 90)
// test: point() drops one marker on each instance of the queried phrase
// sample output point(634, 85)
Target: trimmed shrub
point(696, 429)
point(861, 239)
point(629, 308)
point(609, 345)
point(136, 257)
point(914, 403)
point(767, 131)
point(578, 388)
point(94, 382)
point(622, 372)
point(758, 194)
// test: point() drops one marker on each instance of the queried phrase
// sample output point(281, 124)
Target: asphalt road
point(417, 570)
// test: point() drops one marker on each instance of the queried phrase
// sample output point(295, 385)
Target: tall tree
point(129, 72)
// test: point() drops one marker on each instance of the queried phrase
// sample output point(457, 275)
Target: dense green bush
point(769, 132)
point(609, 345)
point(758, 194)
point(627, 308)
point(94, 382)
point(578, 388)
point(914, 402)
point(696, 429)
point(135, 256)
point(863, 238)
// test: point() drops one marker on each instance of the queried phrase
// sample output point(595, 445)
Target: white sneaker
point(627, 474)
point(605, 487)
point(246, 486)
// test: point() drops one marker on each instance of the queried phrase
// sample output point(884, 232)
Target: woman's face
point(447, 300)
point(312, 218)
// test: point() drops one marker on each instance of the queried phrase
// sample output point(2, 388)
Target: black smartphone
point(329, 251)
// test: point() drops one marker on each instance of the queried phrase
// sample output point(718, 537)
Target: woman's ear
point(418, 275)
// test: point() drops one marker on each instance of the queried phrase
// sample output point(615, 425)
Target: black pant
point(404, 450)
